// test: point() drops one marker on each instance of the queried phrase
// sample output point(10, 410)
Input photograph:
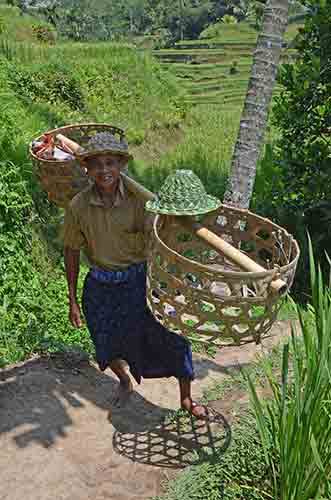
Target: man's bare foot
point(123, 393)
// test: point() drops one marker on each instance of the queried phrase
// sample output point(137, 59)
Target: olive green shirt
point(113, 237)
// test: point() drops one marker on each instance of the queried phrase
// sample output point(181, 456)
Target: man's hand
point(75, 315)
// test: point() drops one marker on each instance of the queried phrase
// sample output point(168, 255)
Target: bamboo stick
point(236, 256)
point(73, 146)
point(214, 241)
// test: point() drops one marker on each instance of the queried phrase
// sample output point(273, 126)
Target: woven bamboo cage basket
point(196, 292)
point(63, 179)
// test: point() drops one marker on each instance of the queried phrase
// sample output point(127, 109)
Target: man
point(110, 224)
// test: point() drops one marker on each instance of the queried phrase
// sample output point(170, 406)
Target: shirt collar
point(96, 200)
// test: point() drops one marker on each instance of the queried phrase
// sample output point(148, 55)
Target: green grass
point(241, 31)
point(240, 50)
point(41, 88)
point(239, 472)
point(203, 66)
point(239, 34)
point(295, 425)
point(221, 98)
point(272, 453)
point(197, 80)
point(222, 75)
point(18, 28)
point(226, 84)
point(118, 84)
point(216, 45)
point(30, 52)
point(292, 31)
point(206, 148)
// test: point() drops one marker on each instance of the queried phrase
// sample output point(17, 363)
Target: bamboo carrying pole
point(214, 241)
point(230, 252)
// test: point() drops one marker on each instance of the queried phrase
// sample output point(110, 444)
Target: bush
point(163, 39)
point(44, 33)
point(212, 31)
point(227, 19)
point(33, 305)
point(3, 27)
point(233, 68)
point(293, 183)
point(52, 83)
point(303, 115)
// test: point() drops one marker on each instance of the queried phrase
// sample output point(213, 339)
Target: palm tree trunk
point(131, 20)
point(255, 113)
point(181, 14)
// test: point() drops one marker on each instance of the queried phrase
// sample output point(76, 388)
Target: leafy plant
point(52, 82)
point(293, 178)
point(212, 31)
point(3, 27)
point(302, 113)
point(233, 68)
point(44, 33)
point(295, 426)
point(237, 474)
point(228, 19)
point(163, 39)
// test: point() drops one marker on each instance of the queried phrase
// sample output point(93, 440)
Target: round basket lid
point(183, 194)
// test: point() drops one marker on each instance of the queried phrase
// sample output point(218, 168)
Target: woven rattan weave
point(183, 194)
point(192, 289)
point(196, 292)
point(63, 179)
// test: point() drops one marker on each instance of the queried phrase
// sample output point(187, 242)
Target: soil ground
point(60, 438)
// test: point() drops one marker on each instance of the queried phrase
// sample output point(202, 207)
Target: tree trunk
point(255, 113)
point(23, 7)
point(181, 14)
point(131, 20)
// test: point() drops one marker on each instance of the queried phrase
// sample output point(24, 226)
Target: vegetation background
point(173, 74)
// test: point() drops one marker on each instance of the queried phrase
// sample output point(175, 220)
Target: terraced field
point(216, 71)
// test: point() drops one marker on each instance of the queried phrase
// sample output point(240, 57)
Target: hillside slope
point(42, 88)
point(18, 28)
point(216, 70)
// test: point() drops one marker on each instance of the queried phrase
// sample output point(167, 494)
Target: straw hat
point(102, 143)
point(183, 194)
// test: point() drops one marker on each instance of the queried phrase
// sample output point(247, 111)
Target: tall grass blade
point(296, 434)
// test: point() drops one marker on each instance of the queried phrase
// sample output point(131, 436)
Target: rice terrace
point(165, 210)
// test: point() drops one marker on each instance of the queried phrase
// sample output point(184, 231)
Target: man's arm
point(72, 264)
point(73, 240)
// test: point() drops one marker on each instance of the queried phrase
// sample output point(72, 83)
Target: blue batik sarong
point(122, 326)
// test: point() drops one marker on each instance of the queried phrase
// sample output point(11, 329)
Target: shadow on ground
point(176, 442)
point(38, 397)
point(35, 395)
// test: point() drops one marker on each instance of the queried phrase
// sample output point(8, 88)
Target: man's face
point(105, 170)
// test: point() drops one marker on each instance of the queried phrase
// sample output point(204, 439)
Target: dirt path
point(61, 440)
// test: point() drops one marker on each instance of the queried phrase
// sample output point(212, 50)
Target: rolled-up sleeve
point(72, 233)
